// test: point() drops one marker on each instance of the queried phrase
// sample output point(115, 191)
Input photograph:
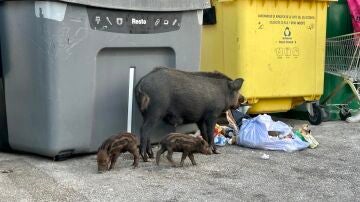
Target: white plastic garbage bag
point(254, 134)
point(354, 119)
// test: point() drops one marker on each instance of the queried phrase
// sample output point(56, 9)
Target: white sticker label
point(50, 10)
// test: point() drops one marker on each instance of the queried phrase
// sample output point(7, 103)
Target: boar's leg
point(136, 155)
point(114, 157)
point(143, 143)
point(183, 157)
point(169, 157)
point(192, 159)
point(149, 150)
point(210, 125)
point(158, 154)
point(149, 123)
point(202, 127)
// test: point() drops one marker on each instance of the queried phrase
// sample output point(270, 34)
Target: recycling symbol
point(287, 32)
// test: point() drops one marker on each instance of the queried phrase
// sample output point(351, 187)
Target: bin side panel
point(112, 88)
point(283, 46)
point(26, 75)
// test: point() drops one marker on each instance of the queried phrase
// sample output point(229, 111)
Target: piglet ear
point(236, 84)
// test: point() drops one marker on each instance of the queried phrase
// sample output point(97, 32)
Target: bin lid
point(143, 5)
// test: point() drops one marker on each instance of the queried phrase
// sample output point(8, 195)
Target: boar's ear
point(236, 84)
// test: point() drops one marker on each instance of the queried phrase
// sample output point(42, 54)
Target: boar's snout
point(205, 148)
point(208, 151)
point(101, 170)
point(238, 100)
point(241, 99)
point(103, 161)
point(102, 167)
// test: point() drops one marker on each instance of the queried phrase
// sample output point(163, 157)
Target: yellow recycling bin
point(277, 46)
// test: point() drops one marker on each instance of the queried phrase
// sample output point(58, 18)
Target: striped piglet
point(111, 149)
point(187, 144)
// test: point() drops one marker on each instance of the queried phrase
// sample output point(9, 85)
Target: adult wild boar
point(180, 97)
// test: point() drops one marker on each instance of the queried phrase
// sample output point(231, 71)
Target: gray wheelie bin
point(70, 66)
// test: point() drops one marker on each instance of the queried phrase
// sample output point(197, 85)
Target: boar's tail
point(145, 100)
point(142, 98)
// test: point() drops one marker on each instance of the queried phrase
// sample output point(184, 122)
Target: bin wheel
point(316, 119)
point(344, 113)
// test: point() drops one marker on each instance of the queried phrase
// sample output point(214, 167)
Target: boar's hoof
point(216, 151)
point(150, 160)
point(144, 157)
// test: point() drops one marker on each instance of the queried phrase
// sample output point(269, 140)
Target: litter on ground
point(265, 156)
point(261, 132)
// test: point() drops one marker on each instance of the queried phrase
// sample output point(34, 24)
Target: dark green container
point(338, 23)
point(338, 19)
point(344, 96)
